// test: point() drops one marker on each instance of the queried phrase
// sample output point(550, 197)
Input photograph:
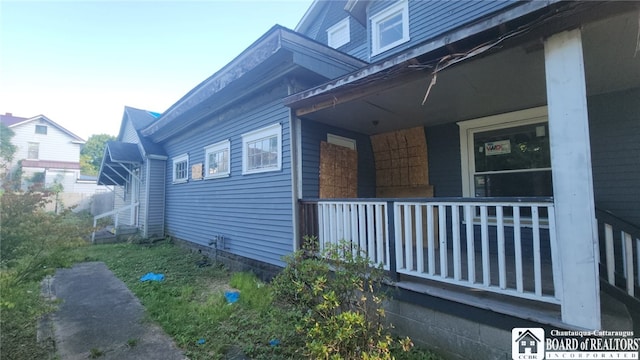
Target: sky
point(80, 62)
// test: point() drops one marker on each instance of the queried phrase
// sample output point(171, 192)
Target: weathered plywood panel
point(338, 171)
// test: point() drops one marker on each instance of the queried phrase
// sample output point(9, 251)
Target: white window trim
point(400, 7)
point(341, 141)
point(37, 144)
point(213, 148)
point(275, 129)
point(469, 127)
point(176, 160)
point(341, 26)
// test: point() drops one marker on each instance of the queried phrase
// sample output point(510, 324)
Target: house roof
point(527, 333)
point(12, 121)
point(119, 157)
point(248, 72)
point(51, 164)
point(140, 119)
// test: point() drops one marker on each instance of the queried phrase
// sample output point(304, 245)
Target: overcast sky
point(80, 62)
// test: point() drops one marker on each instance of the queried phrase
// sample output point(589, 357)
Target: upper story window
point(390, 27)
point(217, 160)
point(262, 150)
point(41, 129)
point(181, 168)
point(33, 151)
point(339, 34)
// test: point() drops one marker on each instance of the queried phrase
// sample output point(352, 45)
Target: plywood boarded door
point(338, 171)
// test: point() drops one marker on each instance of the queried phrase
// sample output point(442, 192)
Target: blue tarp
point(152, 277)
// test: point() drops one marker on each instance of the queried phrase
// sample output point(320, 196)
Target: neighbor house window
point(33, 151)
point(180, 168)
point(41, 129)
point(216, 160)
point(390, 27)
point(262, 150)
point(339, 34)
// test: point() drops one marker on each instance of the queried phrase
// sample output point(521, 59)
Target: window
point(33, 151)
point(41, 129)
point(507, 155)
point(216, 160)
point(262, 150)
point(181, 168)
point(390, 27)
point(339, 34)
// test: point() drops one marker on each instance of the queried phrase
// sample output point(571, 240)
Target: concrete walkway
point(97, 313)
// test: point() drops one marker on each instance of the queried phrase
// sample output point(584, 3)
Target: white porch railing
point(505, 247)
point(621, 260)
point(115, 213)
point(364, 224)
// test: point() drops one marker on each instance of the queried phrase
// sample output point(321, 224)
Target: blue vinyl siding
point(154, 222)
point(253, 212)
point(443, 149)
point(429, 19)
point(312, 134)
point(614, 125)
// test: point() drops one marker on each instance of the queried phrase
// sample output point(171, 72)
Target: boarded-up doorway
point(338, 171)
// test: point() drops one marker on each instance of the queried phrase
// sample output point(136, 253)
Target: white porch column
point(576, 226)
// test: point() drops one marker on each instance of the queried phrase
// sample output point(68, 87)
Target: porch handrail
point(620, 259)
point(512, 248)
point(115, 212)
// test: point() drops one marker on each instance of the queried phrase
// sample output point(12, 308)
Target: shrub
point(340, 293)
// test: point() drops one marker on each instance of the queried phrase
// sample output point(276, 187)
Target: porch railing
point(620, 244)
point(116, 218)
point(505, 246)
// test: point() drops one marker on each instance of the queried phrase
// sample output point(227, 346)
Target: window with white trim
point(262, 150)
point(390, 27)
point(41, 129)
point(339, 34)
point(181, 168)
point(33, 151)
point(217, 160)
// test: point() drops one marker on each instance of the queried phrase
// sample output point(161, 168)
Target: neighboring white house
point(49, 154)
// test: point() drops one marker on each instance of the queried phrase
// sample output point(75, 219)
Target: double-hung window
point(181, 168)
point(33, 151)
point(216, 160)
point(390, 27)
point(262, 150)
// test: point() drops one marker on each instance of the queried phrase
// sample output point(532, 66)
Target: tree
point(92, 152)
point(7, 149)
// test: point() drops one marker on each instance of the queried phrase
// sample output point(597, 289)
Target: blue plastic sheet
point(152, 277)
point(232, 296)
point(274, 342)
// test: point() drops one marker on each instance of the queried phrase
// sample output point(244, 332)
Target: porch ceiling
point(502, 81)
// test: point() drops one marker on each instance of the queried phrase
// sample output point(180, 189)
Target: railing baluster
point(484, 234)
point(408, 236)
point(629, 261)
point(537, 267)
point(371, 235)
point(638, 259)
point(362, 227)
point(455, 228)
point(431, 240)
point(517, 239)
point(471, 252)
point(419, 240)
point(502, 271)
point(353, 210)
point(387, 235)
point(322, 223)
point(397, 219)
point(379, 236)
point(555, 255)
point(442, 229)
point(624, 254)
point(608, 244)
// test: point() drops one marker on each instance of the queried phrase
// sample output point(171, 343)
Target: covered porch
point(505, 203)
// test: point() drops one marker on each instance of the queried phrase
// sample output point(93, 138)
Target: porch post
point(576, 226)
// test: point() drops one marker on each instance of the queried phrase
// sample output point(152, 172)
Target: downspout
point(296, 163)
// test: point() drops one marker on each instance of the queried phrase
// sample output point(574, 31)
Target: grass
point(189, 305)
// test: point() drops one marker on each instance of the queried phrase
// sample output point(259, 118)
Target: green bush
point(339, 291)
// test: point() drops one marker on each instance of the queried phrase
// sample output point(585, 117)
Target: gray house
point(487, 154)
